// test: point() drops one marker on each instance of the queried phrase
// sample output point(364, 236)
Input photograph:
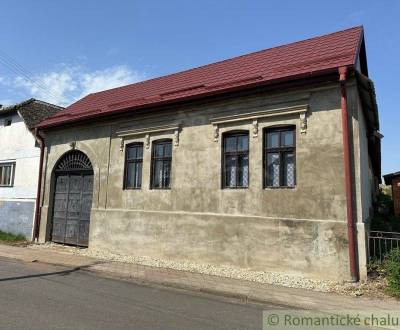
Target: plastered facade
point(301, 230)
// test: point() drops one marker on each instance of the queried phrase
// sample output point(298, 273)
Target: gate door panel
point(72, 199)
point(60, 208)
point(86, 206)
point(73, 209)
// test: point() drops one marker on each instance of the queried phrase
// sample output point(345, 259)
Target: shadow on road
point(62, 273)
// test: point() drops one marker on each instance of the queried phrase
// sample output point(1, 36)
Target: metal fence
point(382, 242)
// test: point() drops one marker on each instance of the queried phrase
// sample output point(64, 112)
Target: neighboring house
point(393, 179)
point(268, 161)
point(19, 164)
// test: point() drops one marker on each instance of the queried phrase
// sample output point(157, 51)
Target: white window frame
point(10, 182)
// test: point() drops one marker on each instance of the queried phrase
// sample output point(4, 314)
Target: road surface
point(40, 296)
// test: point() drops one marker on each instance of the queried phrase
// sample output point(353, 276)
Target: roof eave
point(389, 177)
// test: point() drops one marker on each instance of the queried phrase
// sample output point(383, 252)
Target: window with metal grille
point(280, 157)
point(161, 159)
point(133, 166)
point(7, 171)
point(235, 160)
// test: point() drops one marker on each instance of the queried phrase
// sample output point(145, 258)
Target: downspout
point(39, 187)
point(348, 176)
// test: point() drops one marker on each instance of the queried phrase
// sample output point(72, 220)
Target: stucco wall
point(17, 145)
point(364, 181)
point(16, 217)
point(364, 178)
point(300, 230)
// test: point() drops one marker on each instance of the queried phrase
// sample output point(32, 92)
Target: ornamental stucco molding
point(255, 117)
point(255, 128)
point(147, 132)
point(303, 123)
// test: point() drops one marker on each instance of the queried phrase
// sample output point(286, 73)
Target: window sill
point(280, 187)
point(2, 186)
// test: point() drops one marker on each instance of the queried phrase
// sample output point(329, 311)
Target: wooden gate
point(73, 192)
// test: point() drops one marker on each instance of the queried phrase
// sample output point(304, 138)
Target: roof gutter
point(348, 176)
point(40, 140)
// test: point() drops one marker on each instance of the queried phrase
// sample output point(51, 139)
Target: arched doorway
point(73, 190)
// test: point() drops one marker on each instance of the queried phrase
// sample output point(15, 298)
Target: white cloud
point(109, 78)
point(53, 87)
point(68, 84)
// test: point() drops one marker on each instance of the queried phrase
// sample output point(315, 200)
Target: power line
point(18, 69)
point(13, 64)
point(22, 72)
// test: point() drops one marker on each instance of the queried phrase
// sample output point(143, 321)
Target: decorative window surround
point(175, 128)
point(254, 117)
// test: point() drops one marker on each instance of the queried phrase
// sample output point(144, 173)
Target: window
point(235, 160)
point(7, 174)
point(161, 164)
point(133, 166)
point(279, 157)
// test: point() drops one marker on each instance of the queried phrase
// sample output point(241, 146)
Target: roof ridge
point(17, 105)
point(231, 58)
point(26, 102)
point(50, 104)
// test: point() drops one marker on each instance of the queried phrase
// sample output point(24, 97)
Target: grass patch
point(11, 238)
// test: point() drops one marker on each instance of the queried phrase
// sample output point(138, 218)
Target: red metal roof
point(312, 56)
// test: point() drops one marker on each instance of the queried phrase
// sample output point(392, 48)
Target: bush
point(392, 270)
point(385, 200)
point(381, 222)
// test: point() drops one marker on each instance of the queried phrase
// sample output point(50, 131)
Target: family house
point(19, 164)
point(267, 161)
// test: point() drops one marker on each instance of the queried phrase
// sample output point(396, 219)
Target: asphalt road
point(39, 296)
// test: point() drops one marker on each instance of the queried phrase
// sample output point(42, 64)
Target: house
point(266, 161)
point(393, 179)
point(19, 164)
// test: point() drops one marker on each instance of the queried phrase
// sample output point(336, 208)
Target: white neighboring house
point(19, 164)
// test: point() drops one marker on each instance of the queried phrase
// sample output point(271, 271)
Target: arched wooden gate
point(73, 192)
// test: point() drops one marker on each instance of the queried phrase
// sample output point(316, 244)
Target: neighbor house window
point(279, 157)
point(133, 166)
point(161, 158)
point(7, 121)
point(235, 160)
point(7, 174)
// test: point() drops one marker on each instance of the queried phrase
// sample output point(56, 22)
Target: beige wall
point(301, 230)
point(364, 181)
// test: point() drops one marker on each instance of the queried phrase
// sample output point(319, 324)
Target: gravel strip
point(292, 281)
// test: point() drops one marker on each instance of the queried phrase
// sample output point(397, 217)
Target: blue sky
point(65, 49)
